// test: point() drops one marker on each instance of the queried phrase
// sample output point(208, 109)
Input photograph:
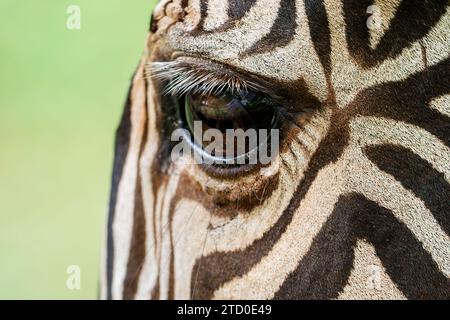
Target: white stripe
point(442, 104)
point(388, 9)
point(217, 14)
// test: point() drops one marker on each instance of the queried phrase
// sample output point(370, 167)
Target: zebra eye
point(227, 111)
point(244, 110)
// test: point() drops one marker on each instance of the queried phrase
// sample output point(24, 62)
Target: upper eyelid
point(185, 77)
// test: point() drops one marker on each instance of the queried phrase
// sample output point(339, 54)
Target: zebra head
point(355, 202)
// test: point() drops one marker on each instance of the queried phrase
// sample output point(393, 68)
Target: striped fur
point(360, 186)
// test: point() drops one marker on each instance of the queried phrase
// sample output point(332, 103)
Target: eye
point(247, 112)
point(227, 111)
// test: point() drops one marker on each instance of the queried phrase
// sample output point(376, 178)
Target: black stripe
point(237, 9)
point(153, 24)
point(319, 31)
point(122, 142)
point(321, 38)
point(282, 31)
point(417, 175)
point(324, 271)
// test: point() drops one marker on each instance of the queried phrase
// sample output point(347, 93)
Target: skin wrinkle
point(361, 178)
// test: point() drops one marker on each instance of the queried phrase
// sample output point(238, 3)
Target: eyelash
point(182, 79)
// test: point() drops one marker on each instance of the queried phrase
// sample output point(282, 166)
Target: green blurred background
point(61, 96)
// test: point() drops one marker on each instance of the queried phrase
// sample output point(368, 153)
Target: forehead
point(271, 38)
